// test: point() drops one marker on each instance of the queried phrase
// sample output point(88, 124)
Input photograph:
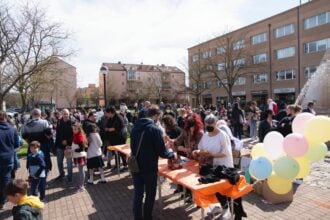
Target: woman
point(189, 139)
point(237, 120)
point(172, 129)
point(216, 148)
point(266, 125)
point(215, 144)
point(253, 117)
point(285, 125)
point(181, 118)
point(187, 142)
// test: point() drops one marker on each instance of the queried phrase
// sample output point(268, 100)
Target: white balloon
point(273, 144)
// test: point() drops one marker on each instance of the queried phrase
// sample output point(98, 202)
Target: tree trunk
point(230, 95)
point(23, 99)
point(1, 102)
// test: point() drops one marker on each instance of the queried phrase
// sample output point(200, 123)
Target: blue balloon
point(260, 168)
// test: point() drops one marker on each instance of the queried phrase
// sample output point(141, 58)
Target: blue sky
point(150, 31)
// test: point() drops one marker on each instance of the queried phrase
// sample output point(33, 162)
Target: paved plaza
point(114, 200)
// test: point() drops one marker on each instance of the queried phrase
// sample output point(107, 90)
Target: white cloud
point(149, 31)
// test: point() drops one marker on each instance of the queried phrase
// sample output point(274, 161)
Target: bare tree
point(197, 80)
point(31, 43)
point(233, 61)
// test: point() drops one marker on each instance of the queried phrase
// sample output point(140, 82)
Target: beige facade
point(134, 82)
point(292, 43)
point(61, 88)
point(88, 96)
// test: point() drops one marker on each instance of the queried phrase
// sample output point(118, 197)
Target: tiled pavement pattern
point(114, 199)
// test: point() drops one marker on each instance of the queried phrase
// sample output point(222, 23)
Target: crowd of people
point(208, 134)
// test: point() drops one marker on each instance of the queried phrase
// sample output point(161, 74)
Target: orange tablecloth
point(187, 176)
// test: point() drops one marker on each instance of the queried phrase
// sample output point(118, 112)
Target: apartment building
point(61, 87)
point(290, 45)
point(133, 82)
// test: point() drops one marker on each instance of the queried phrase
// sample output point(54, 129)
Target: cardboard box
point(262, 189)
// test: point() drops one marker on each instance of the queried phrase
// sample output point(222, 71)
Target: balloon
point(279, 185)
point(273, 143)
point(316, 152)
point(286, 167)
point(304, 167)
point(317, 129)
point(258, 150)
point(295, 145)
point(299, 122)
point(260, 168)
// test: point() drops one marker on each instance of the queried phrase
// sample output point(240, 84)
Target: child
point(27, 207)
point(36, 166)
point(94, 155)
point(79, 144)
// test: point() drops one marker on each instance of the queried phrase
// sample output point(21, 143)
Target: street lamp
point(104, 71)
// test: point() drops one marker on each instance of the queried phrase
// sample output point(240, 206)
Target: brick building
point(61, 88)
point(88, 96)
point(290, 45)
point(133, 82)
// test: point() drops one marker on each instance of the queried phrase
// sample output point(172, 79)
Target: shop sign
point(284, 90)
point(238, 93)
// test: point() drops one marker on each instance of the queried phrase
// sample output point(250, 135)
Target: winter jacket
point(9, 141)
point(94, 145)
point(36, 164)
point(34, 129)
point(116, 137)
point(47, 146)
point(64, 132)
point(28, 208)
point(152, 145)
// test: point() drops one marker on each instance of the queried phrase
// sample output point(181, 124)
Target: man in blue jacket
point(152, 147)
point(9, 141)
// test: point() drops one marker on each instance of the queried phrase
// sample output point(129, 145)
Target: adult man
point(34, 129)
point(89, 122)
point(143, 111)
point(64, 136)
point(152, 146)
point(310, 108)
point(9, 141)
point(115, 132)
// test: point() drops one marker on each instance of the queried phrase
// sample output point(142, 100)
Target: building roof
point(141, 67)
point(248, 26)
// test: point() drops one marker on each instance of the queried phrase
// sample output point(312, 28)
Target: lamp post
point(104, 71)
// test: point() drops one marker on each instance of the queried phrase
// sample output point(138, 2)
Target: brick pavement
point(113, 201)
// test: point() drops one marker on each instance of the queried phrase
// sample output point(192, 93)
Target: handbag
point(132, 162)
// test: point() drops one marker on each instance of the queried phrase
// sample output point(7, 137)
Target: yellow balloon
point(317, 129)
point(258, 150)
point(279, 185)
point(304, 167)
point(316, 152)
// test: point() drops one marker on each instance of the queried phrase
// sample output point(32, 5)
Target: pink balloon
point(299, 122)
point(295, 145)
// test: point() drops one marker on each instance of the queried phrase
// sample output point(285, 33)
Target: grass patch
point(23, 150)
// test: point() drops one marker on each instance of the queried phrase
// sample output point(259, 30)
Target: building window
point(220, 50)
point(309, 71)
point(195, 58)
point(257, 39)
point(285, 75)
point(221, 66)
point(209, 67)
point(240, 81)
point(285, 52)
point(239, 62)
point(260, 58)
point(317, 46)
point(131, 75)
point(207, 54)
point(317, 20)
point(260, 78)
point(207, 85)
point(284, 30)
point(239, 44)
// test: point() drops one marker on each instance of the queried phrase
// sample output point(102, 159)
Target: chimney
point(163, 65)
point(119, 62)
